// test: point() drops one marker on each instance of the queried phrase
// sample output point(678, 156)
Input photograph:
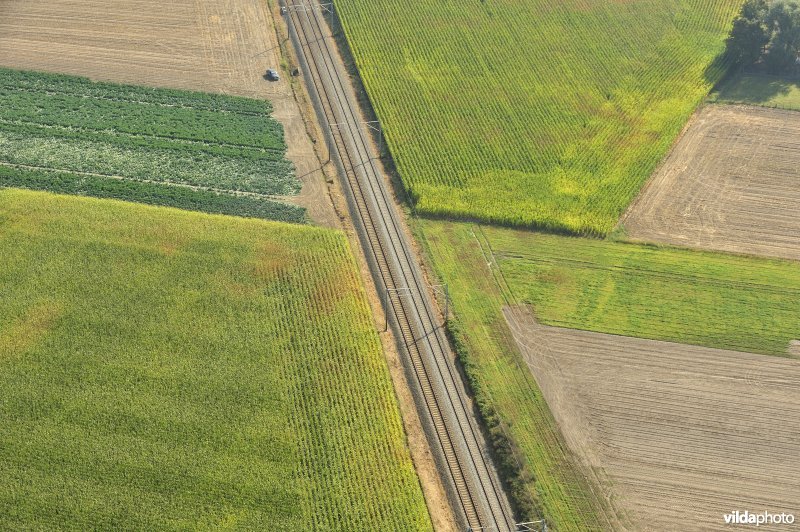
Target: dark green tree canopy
point(748, 38)
point(767, 31)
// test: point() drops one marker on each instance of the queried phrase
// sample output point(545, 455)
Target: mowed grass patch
point(539, 113)
point(163, 369)
point(66, 127)
point(761, 89)
point(686, 296)
point(715, 300)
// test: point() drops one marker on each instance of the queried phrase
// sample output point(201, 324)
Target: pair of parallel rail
point(441, 395)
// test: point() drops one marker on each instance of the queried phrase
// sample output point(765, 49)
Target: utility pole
point(375, 125)
point(326, 9)
point(372, 125)
point(443, 289)
point(532, 526)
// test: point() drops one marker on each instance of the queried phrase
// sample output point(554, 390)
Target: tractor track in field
point(729, 184)
point(673, 432)
point(445, 408)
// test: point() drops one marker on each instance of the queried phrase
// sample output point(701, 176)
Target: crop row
point(534, 113)
point(46, 83)
point(147, 142)
point(76, 110)
point(149, 193)
point(136, 143)
point(344, 454)
point(261, 176)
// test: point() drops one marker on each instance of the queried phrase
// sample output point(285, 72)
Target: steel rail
point(473, 478)
point(441, 346)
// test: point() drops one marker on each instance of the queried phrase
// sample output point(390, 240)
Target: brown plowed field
point(207, 45)
point(794, 348)
point(678, 434)
point(731, 183)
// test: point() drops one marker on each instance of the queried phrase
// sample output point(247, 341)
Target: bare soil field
point(794, 348)
point(679, 435)
point(731, 183)
point(208, 45)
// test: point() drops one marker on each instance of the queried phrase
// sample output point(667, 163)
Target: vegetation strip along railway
point(462, 447)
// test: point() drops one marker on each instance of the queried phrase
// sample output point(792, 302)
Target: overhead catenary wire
point(385, 235)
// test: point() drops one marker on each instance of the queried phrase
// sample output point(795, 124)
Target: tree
point(749, 34)
point(754, 9)
point(766, 29)
point(783, 25)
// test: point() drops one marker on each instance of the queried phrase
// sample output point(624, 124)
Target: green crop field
point(686, 296)
point(182, 149)
point(538, 113)
point(710, 299)
point(163, 369)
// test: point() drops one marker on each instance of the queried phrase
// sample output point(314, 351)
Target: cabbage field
point(196, 151)
point(171, 370)
point(536, 113)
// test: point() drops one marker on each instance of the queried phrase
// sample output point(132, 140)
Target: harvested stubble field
point(732, 183)
point(186, 44)
point(710, 299)
point(680, 435)
point(169, 370)
point(192, 150)
point(542, 113)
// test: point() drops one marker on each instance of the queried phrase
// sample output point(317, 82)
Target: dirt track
point(732, 183)
point(208, 45)
point(678, 434)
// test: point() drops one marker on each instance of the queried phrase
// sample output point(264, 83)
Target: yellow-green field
point(711, 299)
point(162, 369)
point(537, 113)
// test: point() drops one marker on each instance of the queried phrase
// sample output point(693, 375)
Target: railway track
point(453, 432)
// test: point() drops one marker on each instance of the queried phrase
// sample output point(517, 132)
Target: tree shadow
point(752, 85)
point(719, 71)
point(757, 87)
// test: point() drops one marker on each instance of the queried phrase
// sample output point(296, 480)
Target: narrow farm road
point(445, 409)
